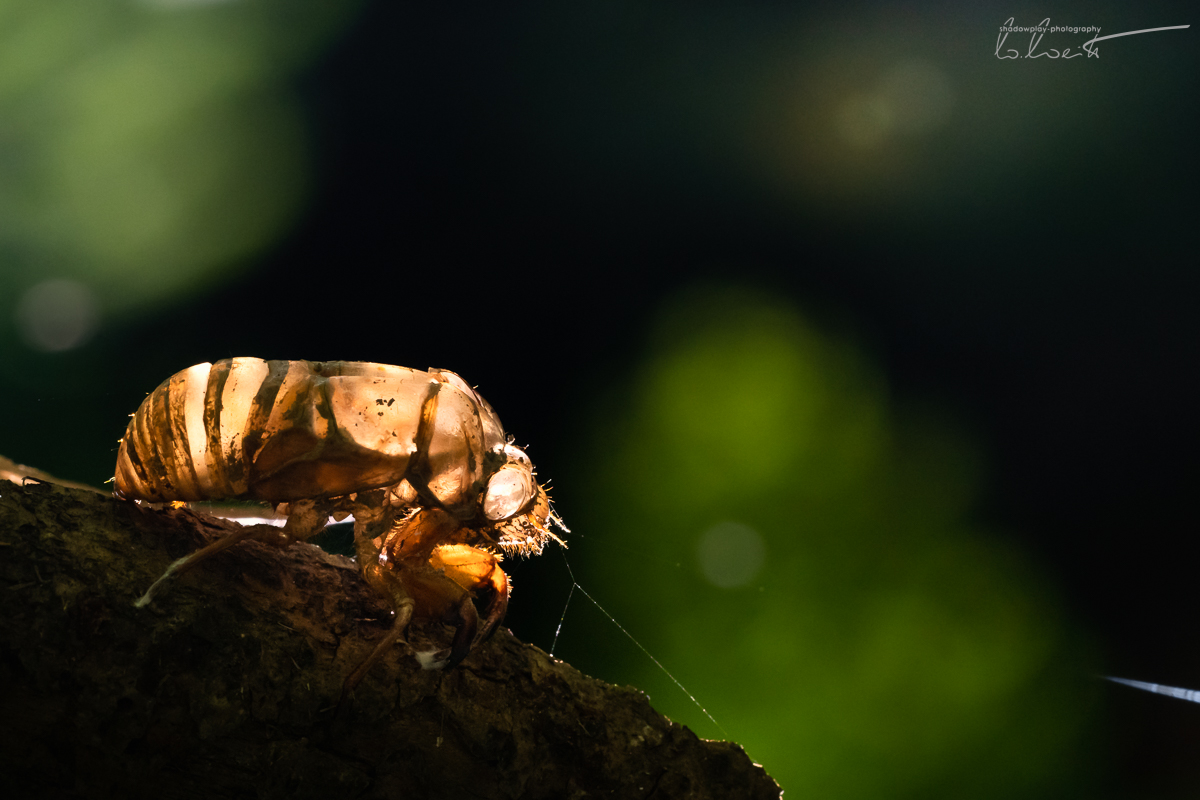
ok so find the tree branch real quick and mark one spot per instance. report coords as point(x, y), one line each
point(226, 685)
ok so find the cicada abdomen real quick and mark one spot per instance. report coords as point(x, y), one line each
point(289, 430)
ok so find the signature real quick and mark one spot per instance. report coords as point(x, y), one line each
point(1089, 47)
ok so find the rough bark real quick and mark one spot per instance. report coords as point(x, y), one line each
point(226, 685)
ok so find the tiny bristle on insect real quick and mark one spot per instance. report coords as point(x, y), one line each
point(557, 521)
point(523, 548)
point(528, 540)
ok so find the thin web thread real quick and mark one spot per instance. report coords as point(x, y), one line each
point(558, 630)
point(575, 585)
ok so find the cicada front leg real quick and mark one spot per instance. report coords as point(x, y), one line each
point(478, 572)
point(429, 582)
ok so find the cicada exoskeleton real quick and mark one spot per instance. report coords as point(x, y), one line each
point(419, 459)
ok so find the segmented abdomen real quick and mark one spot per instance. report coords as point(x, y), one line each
point(290, 430)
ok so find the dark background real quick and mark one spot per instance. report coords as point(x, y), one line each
point(512, 194)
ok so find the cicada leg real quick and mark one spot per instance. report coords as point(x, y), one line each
point(476, 571)
point(366, 530)
point(433, 596)
point(403, 615)
point(442, 579)
point(305, 519)
point(422, 579)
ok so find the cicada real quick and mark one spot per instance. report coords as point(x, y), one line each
point(437, 490)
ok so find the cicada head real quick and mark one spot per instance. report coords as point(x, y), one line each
point(516, 508)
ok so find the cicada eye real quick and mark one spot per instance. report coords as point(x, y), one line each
point(508, 492)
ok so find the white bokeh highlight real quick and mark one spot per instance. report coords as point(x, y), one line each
point(912, 98)
point(731, 554)
point(57, 315)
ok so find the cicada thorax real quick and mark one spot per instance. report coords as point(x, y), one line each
point(289, 430)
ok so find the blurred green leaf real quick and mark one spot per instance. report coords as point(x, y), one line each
point(886, 648)
point(147, 148)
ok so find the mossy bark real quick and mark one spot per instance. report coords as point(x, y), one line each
point(226, 686)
